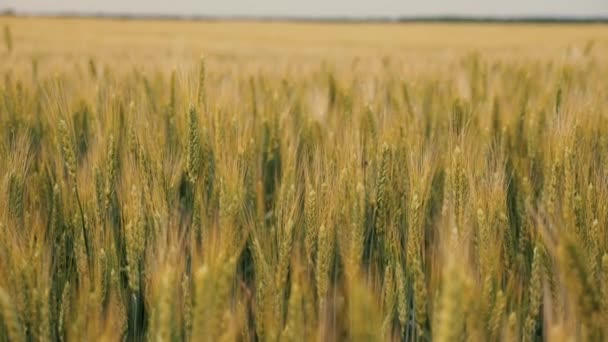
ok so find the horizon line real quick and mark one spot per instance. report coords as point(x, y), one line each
point(455, 18)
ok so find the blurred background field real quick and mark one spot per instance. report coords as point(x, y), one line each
point(281, 46)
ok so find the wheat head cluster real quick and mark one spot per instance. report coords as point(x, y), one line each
point(214, 203)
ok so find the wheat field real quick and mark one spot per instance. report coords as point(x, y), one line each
point(276, 181)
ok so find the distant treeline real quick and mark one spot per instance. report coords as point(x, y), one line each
point(333, 19)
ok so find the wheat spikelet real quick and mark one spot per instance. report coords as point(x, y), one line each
point(579, 282)
point(535, 294)
point(187, 306)
point(524, 205)
point(111, 166)
point(64, 311)
point(459, 184)
point(99, 196)
point(263, 287)
point(67, 146)
point(420, 295)
point(285, 250)
point(135, 240)
point(324, 260)
point(11, 320)
point(193, 156)
point(569, 191)
point(381, 195)
point(389, 299)
point(484, 244)
point(357, 234)
point(15, 195)
point(550, 189)
point(118, 314)
point(310, 212)
point(44, 329)
point(80, 250)
point(593, 249)
point(414, 234)
point(400, 283)
point(497, 314)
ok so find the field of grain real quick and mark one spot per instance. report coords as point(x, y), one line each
point(249, 181)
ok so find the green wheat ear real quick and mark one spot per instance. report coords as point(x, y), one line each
point(15, 195)
point(67, 145)
point(534, 293)
point(193, 157)
point(111, 169)
point(382, 192)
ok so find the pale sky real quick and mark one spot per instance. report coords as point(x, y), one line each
point(316, 8)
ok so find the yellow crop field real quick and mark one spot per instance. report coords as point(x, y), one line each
point(296, 181)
